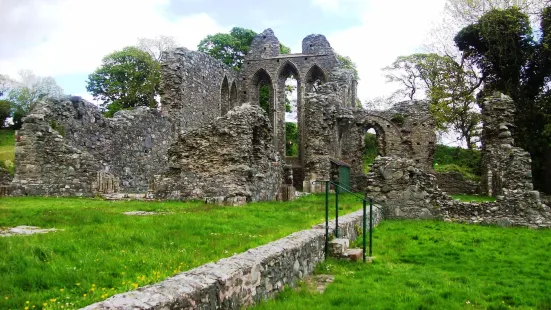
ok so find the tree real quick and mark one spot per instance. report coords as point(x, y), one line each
point(126, 79)
point(231, 48)
point(5, 112)
point(501, 43)
point(449, 86)
point(156, 46)
point(28, 91)
point(349, 64)
point(291, 139)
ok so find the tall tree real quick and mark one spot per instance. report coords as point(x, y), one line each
point(501, 43)
point(5, 112)
point(127, 78)
point(156, 46)
point(450, 87)
point(25, 93)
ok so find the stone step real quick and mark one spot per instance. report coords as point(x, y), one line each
point(353, 254)
point(338, 246)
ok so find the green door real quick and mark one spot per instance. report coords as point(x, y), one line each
point(344, 176)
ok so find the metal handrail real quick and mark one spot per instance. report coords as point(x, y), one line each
point(364, 200)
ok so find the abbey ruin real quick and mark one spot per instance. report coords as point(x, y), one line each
point(211, 140)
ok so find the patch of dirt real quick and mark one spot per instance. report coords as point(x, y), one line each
point(144, 213)
point(318, 283)
point(25, 231)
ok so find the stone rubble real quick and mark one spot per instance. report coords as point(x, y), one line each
point(25, 231)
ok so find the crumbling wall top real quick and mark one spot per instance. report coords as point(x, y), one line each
point(264, 45)
point(316, 44)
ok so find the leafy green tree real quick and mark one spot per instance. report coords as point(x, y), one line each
point(127, 78)
point(5, 112)
point(231, 48)
point(448, 85)
point(514, 61)
point(24, 94)
point(291, 139)
point(349, 64)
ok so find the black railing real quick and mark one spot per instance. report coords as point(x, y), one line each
point(338, 187)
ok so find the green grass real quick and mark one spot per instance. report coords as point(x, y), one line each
point(7, 149)
point(473, 198)
point(437, 265)
point(101, 252)
point(466, 172)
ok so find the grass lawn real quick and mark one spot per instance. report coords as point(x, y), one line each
point(473, 198)
point(437, 265)
point(7, 148)
point(101, 252)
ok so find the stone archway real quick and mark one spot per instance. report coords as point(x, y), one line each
point(224, 97)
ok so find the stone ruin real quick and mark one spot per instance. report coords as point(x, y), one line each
point(208, 141)
point(211, 141)
point(408, 191)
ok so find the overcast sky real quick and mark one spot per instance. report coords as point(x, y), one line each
point(67, 39)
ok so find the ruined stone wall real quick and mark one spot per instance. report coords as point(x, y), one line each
point(505, 168)
point(406, 130)
point(196, 88)
point(231, 160)
point(265, 65)
point(329, 121)
point(454, 183)
point(243, 279)
point(66, 147)
point(406, 191)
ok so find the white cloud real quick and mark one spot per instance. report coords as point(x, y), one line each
point(389, 29)
point(81, 33)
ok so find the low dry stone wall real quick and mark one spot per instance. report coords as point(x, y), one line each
point(454, 183)
point(243, 279)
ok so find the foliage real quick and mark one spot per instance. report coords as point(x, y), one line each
point(5, 112)
point(24, 94)
point(473, 198)
point(101, 252)
point(467, 160)
point(465, 172)
point(436, 265)
point(231, 48)
point(291, 139)
point(156, 46)
point(349, 64)
point(371, 151)
point(515, 62)
point(398, 119)
point(126, 79)
point(449, 86)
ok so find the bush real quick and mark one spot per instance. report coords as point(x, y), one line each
point(467, 173)
point(464, 159)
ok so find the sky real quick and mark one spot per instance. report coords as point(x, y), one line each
point(67, 39)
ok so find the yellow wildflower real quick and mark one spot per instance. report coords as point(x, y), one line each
point(52, 300)
point(83, 295)
point(61, 289)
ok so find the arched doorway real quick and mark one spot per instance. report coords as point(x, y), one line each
point(224, 97)
point(373, 145)
point(262, 92)
point(233, 95)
